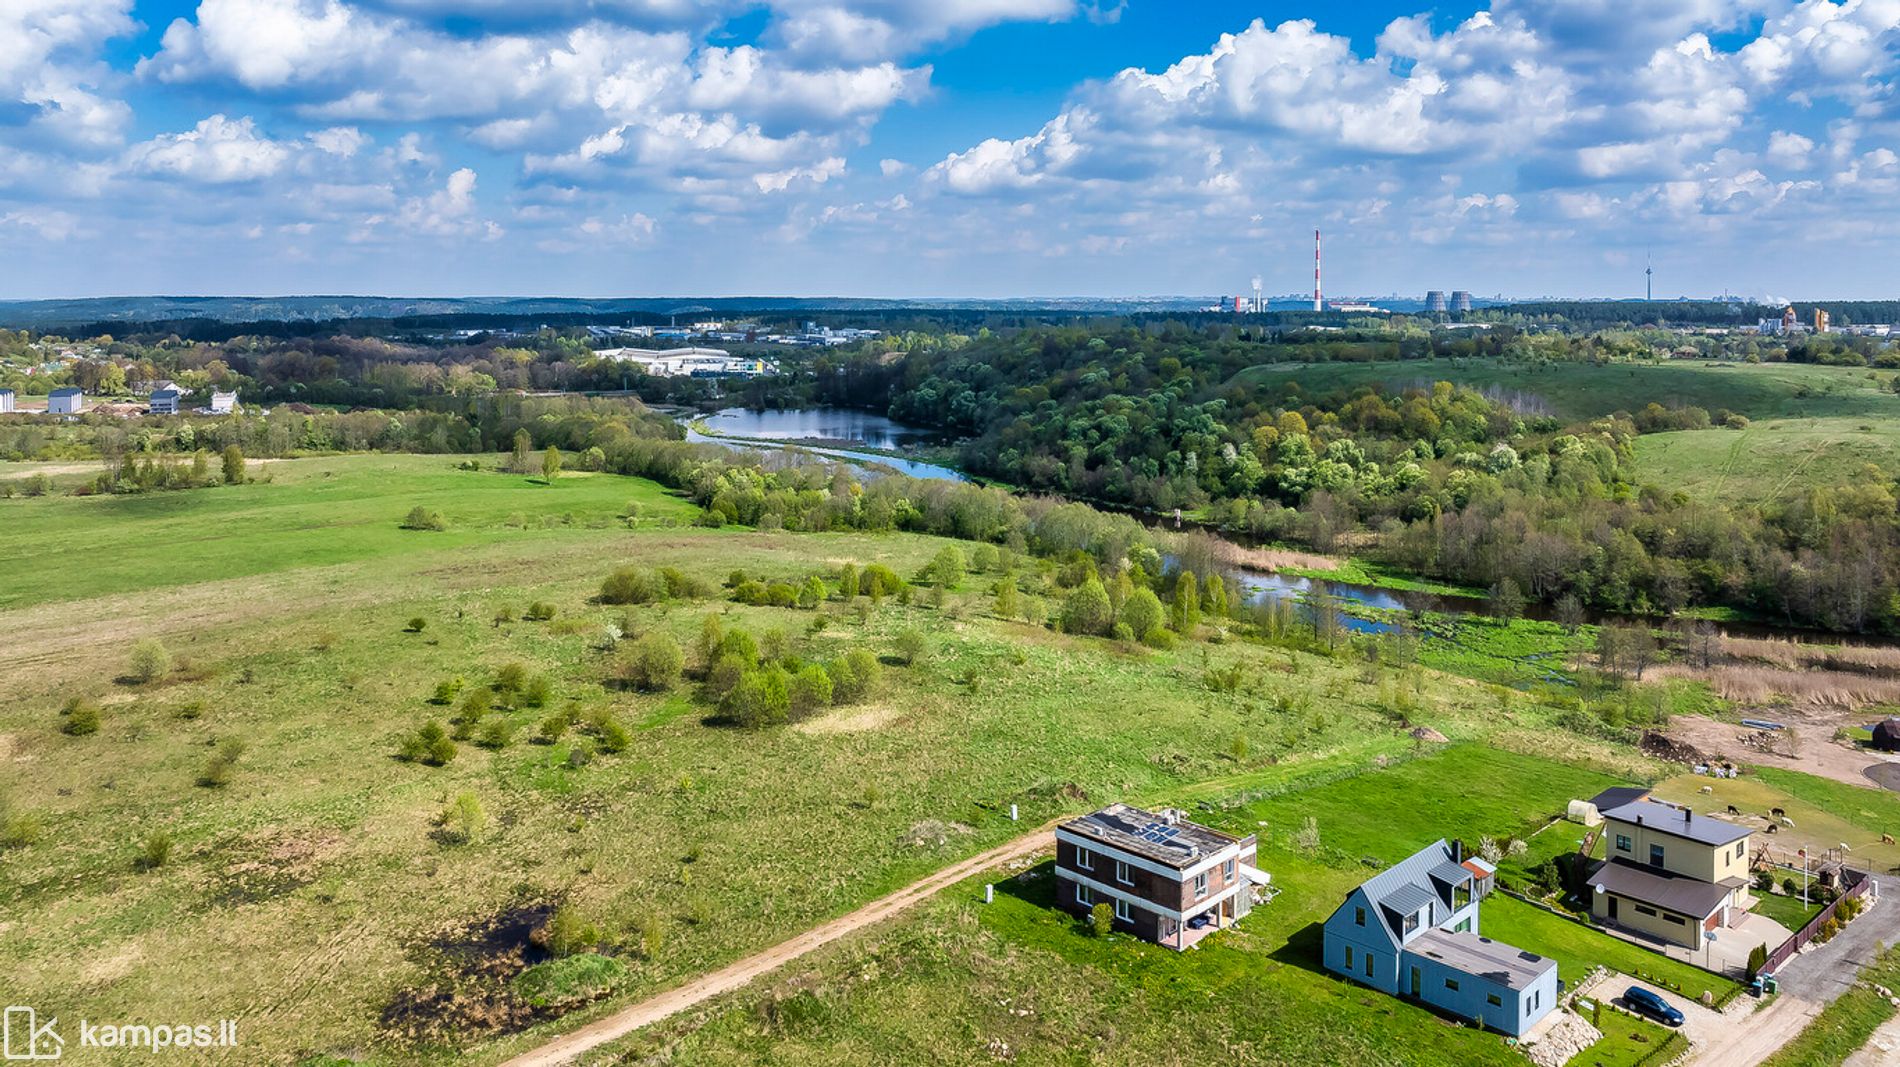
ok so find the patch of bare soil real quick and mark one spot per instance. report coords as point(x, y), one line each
point(853, 722)
point(273, 863)
point(1807, 745)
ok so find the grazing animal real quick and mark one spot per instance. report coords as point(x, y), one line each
point(1707, 789)
point(1789, 823)
point(1733, 810)
point(1886, 839)
point(1772, 828)
point(1776, 812)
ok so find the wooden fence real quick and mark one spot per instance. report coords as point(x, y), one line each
point(1855, 884)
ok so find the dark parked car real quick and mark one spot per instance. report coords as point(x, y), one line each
point(1643, 1002)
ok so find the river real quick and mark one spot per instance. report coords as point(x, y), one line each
point(831, 431)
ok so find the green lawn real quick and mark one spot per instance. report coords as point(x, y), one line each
point(1770, 460)
point(1627, 1041)
point(1577, 948)
point(1844, 1026)
point(1784, 909)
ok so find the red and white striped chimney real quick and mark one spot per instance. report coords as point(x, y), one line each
point(1318, 303)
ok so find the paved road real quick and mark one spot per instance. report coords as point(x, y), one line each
point(726, 979)
point(1809, 982)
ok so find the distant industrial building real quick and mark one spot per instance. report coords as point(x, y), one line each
point(1435, 302)
point(1460, 300)
point(66, 402)
point(1820, 320)
point(690, 362)
point(165, 401)
point(223, 403)
point(6, 401)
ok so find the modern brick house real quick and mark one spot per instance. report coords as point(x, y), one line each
point(1669, 874)
point(1412, 932)
point(1169, 881)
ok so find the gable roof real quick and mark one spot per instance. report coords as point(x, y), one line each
point(1665, 889)
point(1616, 796)
point(1423, 879)
point(1680, 822)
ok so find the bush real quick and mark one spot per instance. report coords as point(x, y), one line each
point(509, 681)
point(463, 820)
point(569, 980)
point(553, 728)
point(1142, 613)
point(217, 773)
point(537, 692)
point(568, 932)
point(614, 736)
point(150, 661)
point(812, 593)
point(854, 676)
point(1086, 611)
point(1757, 958)
point(429, 744)
point(655, 663)
point(947, 569)
point(632, 585)
point(154, 851)
point(539, 611)
point(497, 734)
point(1102, 920)
point(446, 692)
point(416, 625)
point(809, 690)
point(760, 699)
point(421, 518)
point(82, 717)
point(911, 647)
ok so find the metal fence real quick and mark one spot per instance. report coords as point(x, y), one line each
point(1855, 884)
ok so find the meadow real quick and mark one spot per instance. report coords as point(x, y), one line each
point(340, 900)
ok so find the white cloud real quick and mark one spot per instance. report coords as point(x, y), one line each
point(217, 151)
point(344, 141)
point(1790, 150)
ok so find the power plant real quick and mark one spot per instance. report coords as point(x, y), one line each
point(1460, 300)
point(1435, 302)
point(1319, 303)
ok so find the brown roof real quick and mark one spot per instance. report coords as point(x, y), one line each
point(1653, 885)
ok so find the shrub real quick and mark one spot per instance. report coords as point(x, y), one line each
point(429, 744)
point(632, 585)
point(1086, 611)
point(1764, 881)
point(539, 611)
point(150, 661)
point(809, 690)
point(569, 980)
point(553, 728)
point(878, 581)
point(760, 699)
point(614, 736)
point(509, 680)
point(537, 692)
point(417, 625)
point(82, 717)
point(497, 734)
point(446, 692)
point(947, 569)
point(1142, 613)
point(154, 851)
point(854, 676)
point(217, 773)
point(655, 663)
point(812, 593)
point(463, 820)
point(911, 647)
point(568, 932)
point(421, 518)
point(1757, 959)
point(1102, 919)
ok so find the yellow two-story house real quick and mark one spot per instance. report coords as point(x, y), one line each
point(1669, 873)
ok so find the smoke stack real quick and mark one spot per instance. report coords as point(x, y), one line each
point(1318, 303)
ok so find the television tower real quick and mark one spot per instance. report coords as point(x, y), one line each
point(1318, 303)
point(1649, 280)
point(1258, 304)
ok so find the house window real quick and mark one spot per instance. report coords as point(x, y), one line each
point(1083, 895)
point(1622, 842)
point(1677, 919)
point(1532, 1003)
point(1641, 910)
point(1368, 965)
point(1200, 885)
point(1358, 916)
point(1084, 859)
point(1655, 855)
point(1460, 895)
point(1494, 1000)
point(1123, 874)
point(1451, 984)
point(1411, 922)
point(1227, 872)
point(1463, 927)
point(1741, 849)
point(1349, 957)
point(1124, 912)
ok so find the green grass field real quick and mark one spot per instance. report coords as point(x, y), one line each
point(1770, 460)
point(963, 982)
point(314, 896)
point(1574, 391)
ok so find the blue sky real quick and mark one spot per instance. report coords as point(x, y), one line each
point(938, 148)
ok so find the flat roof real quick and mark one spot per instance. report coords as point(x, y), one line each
point(1481, 957)
point(1652, 885)
point(1616, 796)
point(1654, 815)
point(1174, 842)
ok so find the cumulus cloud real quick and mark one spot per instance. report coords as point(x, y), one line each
point(216, 151)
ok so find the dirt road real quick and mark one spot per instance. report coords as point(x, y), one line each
point(735, 975)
